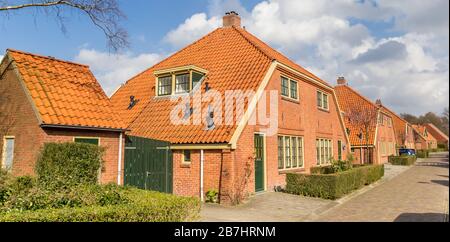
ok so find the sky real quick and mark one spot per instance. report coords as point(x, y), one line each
point(396, 51)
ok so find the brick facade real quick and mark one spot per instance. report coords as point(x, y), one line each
point(225, 170)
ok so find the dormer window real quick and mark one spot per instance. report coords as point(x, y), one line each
point(179, 80)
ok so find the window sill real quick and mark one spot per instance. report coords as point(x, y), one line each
point(323, 109)
point(290, 99)
point(291, 170)
point(185, 165)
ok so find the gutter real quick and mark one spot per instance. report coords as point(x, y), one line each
point(201, 174)
point(81, 127)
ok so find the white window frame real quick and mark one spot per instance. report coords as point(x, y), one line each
point(183, 158)
point(4, 151)
point(323, 95)
point(300, 159)
point(289, 81)
point(173, 87)
point(325, 148)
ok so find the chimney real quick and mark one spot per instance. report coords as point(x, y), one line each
point(341, 81)
point(378, 102)
point(231, 19)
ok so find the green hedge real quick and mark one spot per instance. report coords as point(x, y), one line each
point(422, 153)
point(333, 186)
point(142, 206)
point(405, 160)
point(66, 164)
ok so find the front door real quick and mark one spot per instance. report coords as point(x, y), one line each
point(259, 162)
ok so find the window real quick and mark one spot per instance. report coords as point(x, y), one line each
point(8, 153)
point(289, 88)
point(280, 152)
point(293, 93)
point(92, 141)
point(186, 156)
point(324, 149)
point(290, 152)
point(287, 148)
point(164, 85)
point(178, 81)
point(182, 83)
point(284, 86)
point(322, 100)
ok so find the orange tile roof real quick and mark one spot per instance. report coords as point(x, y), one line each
point(423, 132)
point(65, 93)
point(350, 100)
point(399, 125)
point(437, 133)
point(235, 60)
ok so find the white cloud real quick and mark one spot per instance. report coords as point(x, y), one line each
point(409, 71)
point(111, 70)
point(1, 57)
point(192, 29)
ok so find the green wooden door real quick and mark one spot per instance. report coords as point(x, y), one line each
point(148, 164)
point(259, 162)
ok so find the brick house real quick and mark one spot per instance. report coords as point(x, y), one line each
point(404, 133)
point(379, 142)
point(48, 100)
point(212, 155)
point(441, 138)
point(424, 140)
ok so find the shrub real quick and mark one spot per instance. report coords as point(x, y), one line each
point(422, 153)
point(143, 206)
point(404, 160)
point(212, 196)
point(67, 164)
point(333, 186)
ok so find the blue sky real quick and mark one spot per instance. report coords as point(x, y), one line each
point(393, 50)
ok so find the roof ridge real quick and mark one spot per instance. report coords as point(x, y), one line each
point(168, 57)
point(298, 66)
point(252, 43)
point(395, 114)
point(46, 57)
point(358, 94)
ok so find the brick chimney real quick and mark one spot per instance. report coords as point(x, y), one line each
point(378, 102)
point(341, 81)
point(231, 19)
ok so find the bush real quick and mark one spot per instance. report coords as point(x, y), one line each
point(142, 206)
point(68, 164)
point(404, 160)
point(333, 186)
point(422, 153)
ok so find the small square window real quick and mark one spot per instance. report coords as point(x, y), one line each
point(182, 83)
point(186, 156)
point(165, 85)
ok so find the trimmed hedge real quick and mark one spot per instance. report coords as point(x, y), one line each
point(67, 164)
point(405, 160)
point(143, 206)
point(333, 186)
point(422, 153)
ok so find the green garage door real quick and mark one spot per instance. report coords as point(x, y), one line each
point(148, 164)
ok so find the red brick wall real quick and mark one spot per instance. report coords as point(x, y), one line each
point(385, 133)
point(29, 137)
point(301, 118)
point(186, 180)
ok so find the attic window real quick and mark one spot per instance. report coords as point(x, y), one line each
point(178, 80)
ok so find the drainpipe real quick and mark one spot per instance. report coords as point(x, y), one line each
point(201, 174)
point(119, 161)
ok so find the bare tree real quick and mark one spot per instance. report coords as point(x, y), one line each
point(363, 120)
point(105, 14)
